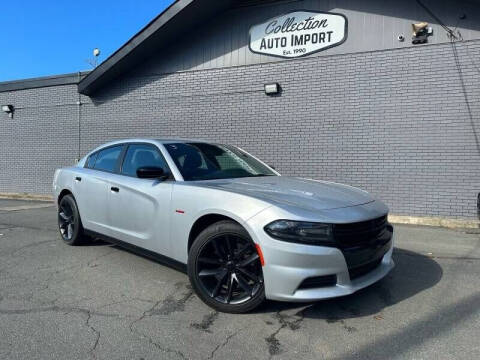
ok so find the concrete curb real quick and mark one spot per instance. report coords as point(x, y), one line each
point(435, 221)
point(26, 196)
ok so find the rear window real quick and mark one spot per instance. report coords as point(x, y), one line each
point(107, 159)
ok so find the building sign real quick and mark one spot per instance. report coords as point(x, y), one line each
point(298, 33)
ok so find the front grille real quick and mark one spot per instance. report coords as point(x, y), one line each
point(364, 269)
point(359, 233)
point(363, 244)
point(318, 282)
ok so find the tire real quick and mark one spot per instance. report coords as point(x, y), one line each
point(224, 268)
point(69, 222)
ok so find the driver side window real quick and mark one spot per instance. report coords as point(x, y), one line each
point(142, 155)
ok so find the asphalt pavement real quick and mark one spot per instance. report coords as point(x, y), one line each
point(102, 302)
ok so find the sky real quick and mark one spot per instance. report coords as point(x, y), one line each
point(50, 37)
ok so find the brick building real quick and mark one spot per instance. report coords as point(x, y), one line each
point(364, 106)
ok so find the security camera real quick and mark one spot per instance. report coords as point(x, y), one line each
point(401, 38)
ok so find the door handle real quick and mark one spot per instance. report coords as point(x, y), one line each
point(115, 189)
point(78, 178)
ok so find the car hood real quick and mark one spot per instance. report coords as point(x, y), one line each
point(289, 191)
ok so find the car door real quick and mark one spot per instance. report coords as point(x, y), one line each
point(139, 209)
point(91, 188)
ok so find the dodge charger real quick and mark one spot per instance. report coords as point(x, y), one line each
point(241, 231)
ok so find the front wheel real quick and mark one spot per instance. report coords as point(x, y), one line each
point(225, 270)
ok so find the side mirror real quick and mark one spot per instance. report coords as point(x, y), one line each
point(150, 172)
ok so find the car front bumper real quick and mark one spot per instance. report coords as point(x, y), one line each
point(287, 265)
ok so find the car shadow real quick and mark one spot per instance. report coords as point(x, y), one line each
point(95, 242)
point(413, 273)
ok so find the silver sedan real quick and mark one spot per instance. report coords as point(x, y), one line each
point(241, 231)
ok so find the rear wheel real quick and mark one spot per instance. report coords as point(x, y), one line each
point(225, 270)
point(69, 222)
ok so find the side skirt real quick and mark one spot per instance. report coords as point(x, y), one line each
point(162, 259)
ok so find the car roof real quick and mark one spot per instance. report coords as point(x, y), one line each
point(180, 140)
point(148, 140)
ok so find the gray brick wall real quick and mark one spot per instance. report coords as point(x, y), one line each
point(42, 135)
point(394, 122)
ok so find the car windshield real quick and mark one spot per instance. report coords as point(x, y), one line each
point(201, 161)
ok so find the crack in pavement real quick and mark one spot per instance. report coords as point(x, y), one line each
point(14, 252)
point(171, 305)
point(143, 316)
point(206, 322)
point(57, 309)
point(13, 226)
point(274, 345)
point(146, 313)
point(334, 320)
point(222, 345)
point(96, 332)
point(66, 311)
point(89, 264)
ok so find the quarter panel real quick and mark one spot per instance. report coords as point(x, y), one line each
point(91, 197)
point(90, 193)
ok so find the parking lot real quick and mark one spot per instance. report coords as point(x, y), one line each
point(102, 302)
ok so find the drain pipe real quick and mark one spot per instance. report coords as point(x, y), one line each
point(79, 117)
point(478, 205)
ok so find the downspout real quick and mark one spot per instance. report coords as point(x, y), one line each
point(79, 118)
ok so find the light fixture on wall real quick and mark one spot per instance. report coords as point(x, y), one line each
point(8, 109)
point(272, 89)
point(421, 32)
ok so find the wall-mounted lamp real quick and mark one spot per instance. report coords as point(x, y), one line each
point(421, 32)
point(8, 109)
point(272, 89)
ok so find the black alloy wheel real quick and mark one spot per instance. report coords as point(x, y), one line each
point(225, 268)
point(66, 221)
point(69, 222)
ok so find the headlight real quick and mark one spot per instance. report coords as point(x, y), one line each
point(301, 232)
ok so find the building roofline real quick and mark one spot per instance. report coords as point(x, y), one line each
point(178, 17)
point(87, 85)
point(43, 81)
